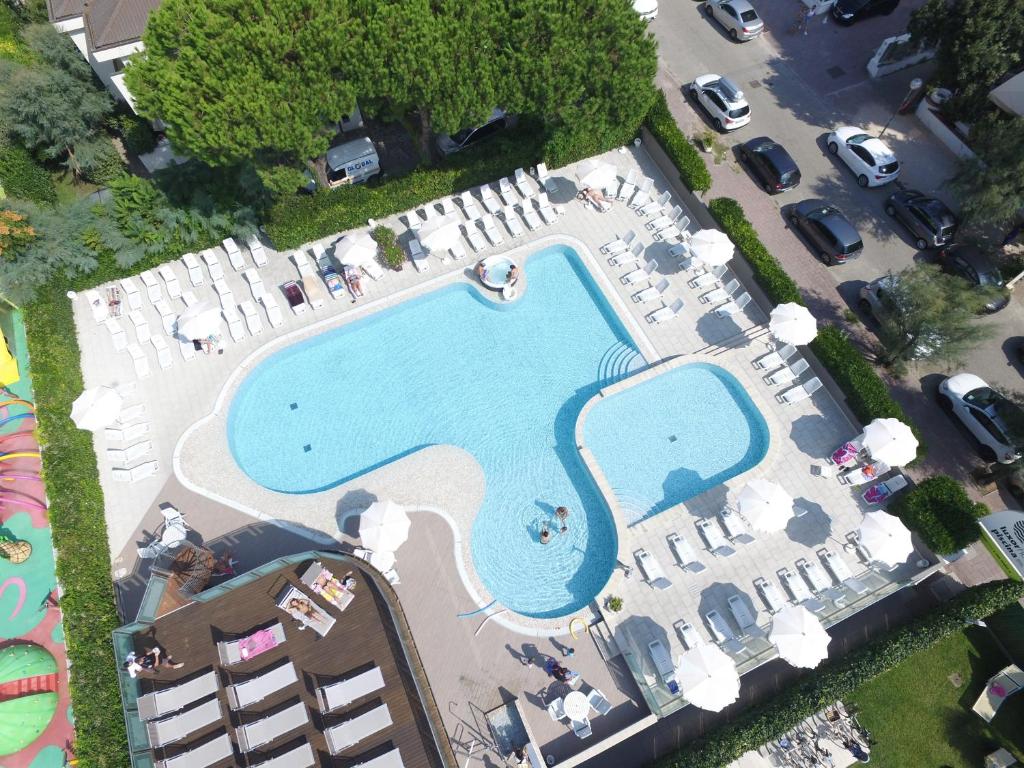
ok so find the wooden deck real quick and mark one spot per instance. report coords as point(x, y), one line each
point(363, 636)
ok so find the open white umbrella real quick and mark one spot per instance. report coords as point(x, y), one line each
point(711, 247)
point(355, 249)
point(793, 324)
point(199, 321)
point(383, 526)
point(96, 408)
point(766, 505)
point(885, 538)
point(799, 636)
point(595, 173)
point(440, 233)
point(708, 678)
point(890, 441)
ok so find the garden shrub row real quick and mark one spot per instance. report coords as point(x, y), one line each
point(840, 678)
point(691, 166)
point(942, 513)
point(22, 176)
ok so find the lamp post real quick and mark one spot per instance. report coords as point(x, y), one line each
point(915, 86)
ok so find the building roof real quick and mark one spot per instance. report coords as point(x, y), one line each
point(1009, 95)
point(111, 23)
point(370, 631)
point(60, 10)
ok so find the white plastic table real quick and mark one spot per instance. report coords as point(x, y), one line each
point(576, 705)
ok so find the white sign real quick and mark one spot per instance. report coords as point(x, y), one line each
point(1006, 529)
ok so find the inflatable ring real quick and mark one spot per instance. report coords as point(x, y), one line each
point(572, 624)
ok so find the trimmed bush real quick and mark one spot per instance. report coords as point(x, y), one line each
point(387, 244)
point(136, 132)
point(23, 177)
point(688, 161)
point(770, 275)
point(838, 679)
point(942, 513)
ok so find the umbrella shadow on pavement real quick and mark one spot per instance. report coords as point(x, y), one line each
point(812, 528)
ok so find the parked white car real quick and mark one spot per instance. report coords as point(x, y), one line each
point(722, 99)
point(987, 415)
point(648, 9)
point(871, 161)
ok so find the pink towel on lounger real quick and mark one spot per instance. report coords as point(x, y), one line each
point(256, 643)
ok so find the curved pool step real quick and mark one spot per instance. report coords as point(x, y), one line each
point(618, 362)
point(633, 507)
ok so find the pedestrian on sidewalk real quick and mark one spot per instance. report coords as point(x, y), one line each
point(806, 16)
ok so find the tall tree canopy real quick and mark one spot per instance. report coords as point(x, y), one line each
point(991, 188)
point(238, 79)
point(978, 41)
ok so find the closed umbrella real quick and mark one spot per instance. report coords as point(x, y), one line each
point(708, 678)
point(890, 441)
point(355, 249)
point(766, 505)
point(885, 538)
point(711, 247)
point(383, 526)
point(799, 636)
point(596, 173)
point(440, 233)
point(199, 321)
point(96, 408)
point(793, 324)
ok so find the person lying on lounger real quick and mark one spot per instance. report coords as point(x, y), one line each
point(305, 608)
point(597, 198)
point(351, 277)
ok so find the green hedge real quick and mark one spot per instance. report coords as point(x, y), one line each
point(23, 177)
point(942, 513)
point(688, 161)
point(838, 679)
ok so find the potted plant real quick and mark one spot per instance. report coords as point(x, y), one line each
point(388, 251)
point(705, 140)
point(613, 603)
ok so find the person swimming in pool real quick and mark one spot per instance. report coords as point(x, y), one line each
point(513, 275)
point(481, 271)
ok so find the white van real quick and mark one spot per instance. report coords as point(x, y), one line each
point(351, 163)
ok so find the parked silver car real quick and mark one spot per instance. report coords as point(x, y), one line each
point(738, 17)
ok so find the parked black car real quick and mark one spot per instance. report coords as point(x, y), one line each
point(973, 265)
point(931, 223)
point(846, 12)
point(830, 235)
point(770, 164)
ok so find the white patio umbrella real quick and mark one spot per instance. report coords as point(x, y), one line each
point(383, 526)
point(766, 505)
point(355, 249)
point(711, 247)
point(96, 408)
point(799, 636)
point(708, 678)
point(890, 441)
point(199, 321)
point(595, 173)
point(440, 233)
point(885, 538)
point(793, 324)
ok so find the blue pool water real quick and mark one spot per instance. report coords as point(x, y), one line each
point(504, 382)
point(673, 437)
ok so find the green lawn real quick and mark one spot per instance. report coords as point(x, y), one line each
point(919, 718)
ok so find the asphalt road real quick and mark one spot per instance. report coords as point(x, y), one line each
point(800, 87)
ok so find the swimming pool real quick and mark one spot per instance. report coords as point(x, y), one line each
point(504, 382)
point(672, 437)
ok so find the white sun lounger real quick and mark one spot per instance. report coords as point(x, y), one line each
point(721, 294)
point(235, 326)
point(139, 360)
point(167, 317)
point(665, 220)
point(131, 293)
point(417, 256)
point(712, 534)
point(800, 391)
point(220, 286)
point(212, 264)
point(252, 318)
point(795, 586)
point(125, 456)
point(344, 692)
point(273, 309)
point(447, 206)
point(235, 256)
point(489, 200)
point(163, 352)
point(187, 349)
point(170, 281)
point(720, 631)
point(141, 325)
point(392, 759)
point(688, 634)
point(814, 575)
point(734, 527)
point(152, 286)
point(544, 178)
point(788, 373)
point(259, 254)
point(252, 277)
point(741, 614)
point(195, 272)
point(167, 700)
point(351, 732)
point(523, 183)
point(126, 434)
point(322, 622)
point(413, 221)
point(131, 413)
point(665, 313)
point(230, 651)
point(684, 554)
point(776, 358)
point(256, 734)
point(136, 473)
point(117, 334)
point(770, 594)
point(189, 299)
point(97, 305)
point(512, 221)
point(372, 269)
point(508, 195)
point(630, 257)
point(733, 306)
point(245, 694)
point(530, 216)
point(547, 211)
point(652, 293)
point(490, 230)
point(663, 664)
point(712, 277)
point(641, 273)
point(299, 757)
point(457, 251)
point(475, 237)
point(841, 571)
point(203, 756)
point(642, 196)
point(651, 569)
point(628, 186)
point(656, 207)
point(177, 727)
point(469, 206)
point(619, 244)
